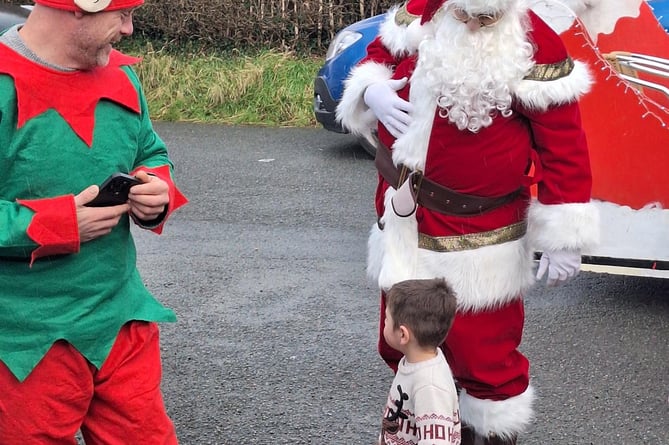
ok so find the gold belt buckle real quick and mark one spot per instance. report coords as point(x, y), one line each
point(403, 176)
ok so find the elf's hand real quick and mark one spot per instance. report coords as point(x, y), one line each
point(94, 222)
point(149, 199)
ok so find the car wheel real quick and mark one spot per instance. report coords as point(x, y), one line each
point(369, 147)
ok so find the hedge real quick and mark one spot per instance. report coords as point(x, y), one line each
point(256, 24)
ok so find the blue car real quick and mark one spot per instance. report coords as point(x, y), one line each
point(346, 49)
point(349, 46)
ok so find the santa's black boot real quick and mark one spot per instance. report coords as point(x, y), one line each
point(469, 437)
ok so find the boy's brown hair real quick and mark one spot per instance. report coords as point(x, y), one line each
point(426, 307)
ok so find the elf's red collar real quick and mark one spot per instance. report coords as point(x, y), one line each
point(74, 95)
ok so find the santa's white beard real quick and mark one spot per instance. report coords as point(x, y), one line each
point(471, 75)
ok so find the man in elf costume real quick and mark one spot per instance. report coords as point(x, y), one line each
point(472, 106)
point(79, 345)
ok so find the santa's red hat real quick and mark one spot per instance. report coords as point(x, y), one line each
point(431, 8)
point(90, 5)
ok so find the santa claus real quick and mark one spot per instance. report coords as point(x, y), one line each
point(474, 101)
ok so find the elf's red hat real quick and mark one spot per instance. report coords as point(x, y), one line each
point(431, 8)
point(90, 5)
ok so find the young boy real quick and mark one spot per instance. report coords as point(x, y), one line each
point(422, 406)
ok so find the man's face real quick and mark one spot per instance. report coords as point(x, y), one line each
point(475, 21)
point(96, 35)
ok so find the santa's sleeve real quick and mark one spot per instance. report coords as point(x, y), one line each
point(399, 36)
point(562, 215)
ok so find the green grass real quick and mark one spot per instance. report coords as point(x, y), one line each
point(266, 88)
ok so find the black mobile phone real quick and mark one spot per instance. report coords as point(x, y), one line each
point(114, 190)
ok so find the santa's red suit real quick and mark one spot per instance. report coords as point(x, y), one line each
point(488, 102)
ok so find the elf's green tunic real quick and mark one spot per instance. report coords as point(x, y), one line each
point(68, 131)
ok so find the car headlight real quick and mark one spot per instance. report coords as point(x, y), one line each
point(342, 40)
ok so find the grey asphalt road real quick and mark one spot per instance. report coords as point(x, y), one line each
point(277, 330)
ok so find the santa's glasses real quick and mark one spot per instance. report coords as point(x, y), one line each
point(484, 20)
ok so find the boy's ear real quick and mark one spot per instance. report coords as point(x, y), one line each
point(405, 335)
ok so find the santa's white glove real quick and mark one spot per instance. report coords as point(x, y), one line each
point(560, 264)
point(391, 110)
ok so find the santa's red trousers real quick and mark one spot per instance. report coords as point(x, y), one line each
point(119, 404)
point(482, 351)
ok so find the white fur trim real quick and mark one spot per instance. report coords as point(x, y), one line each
point(401, 40)
point(352, 112)
point(375, 254)
point(630, 233)
point(482, 278)
point(410, 149)
point(504, 418)
point(563, 226)
point(540, 95)
point(398, 244)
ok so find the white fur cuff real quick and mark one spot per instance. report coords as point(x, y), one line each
point(504, 418)
point(563, 226)
point(352, 111)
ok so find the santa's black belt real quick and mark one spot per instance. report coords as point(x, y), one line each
point(432, 195)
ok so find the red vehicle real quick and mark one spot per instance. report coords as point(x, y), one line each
point(626, 117)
